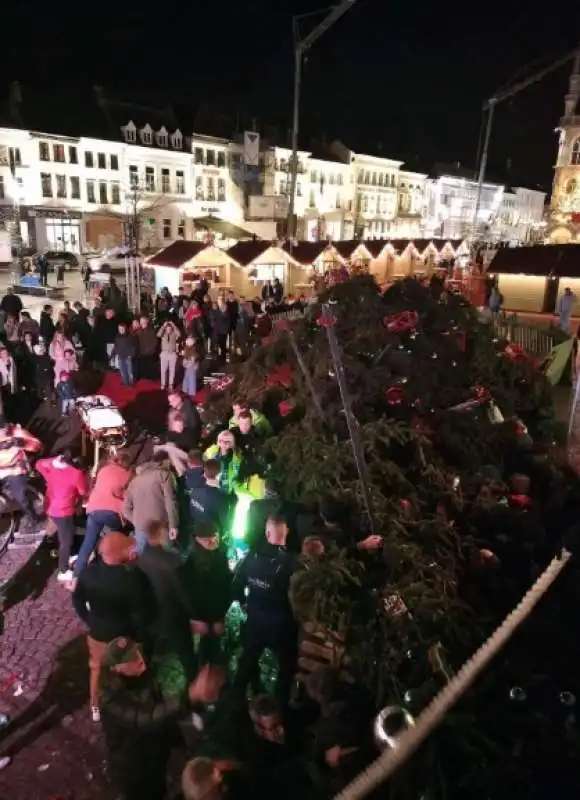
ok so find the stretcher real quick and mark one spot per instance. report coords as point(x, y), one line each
point(103, 425)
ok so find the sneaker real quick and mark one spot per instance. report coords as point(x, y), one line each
point(72, 561)
point(4, 762)
point(95, 713)
point(64, 577)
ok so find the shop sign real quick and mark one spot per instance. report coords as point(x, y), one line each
point(54, 213)
point(210, 210)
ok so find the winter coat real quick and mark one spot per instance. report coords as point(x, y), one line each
point(146, 341)
point(151, 497)
point(125, 346)
point(209, 583)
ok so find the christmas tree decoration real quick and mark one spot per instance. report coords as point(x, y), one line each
point(413, 443)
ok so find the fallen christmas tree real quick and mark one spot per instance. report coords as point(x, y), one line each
point(472, 505)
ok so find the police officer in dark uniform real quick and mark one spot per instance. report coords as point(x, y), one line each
point(261, 586)
point(209, 503)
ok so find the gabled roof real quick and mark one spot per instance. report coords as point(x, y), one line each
point(176, 254)
point(376, 246)
point(347, 247)
point(246, 252)
point(306, 252)
point(423, 244)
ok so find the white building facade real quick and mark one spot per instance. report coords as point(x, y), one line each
point(73, 194)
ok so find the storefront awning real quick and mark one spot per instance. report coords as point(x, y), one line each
point(221, 226)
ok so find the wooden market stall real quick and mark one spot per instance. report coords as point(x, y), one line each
point(311, 259)
point(532, 278)
point(356, 254)
point(184, 263)
point(260, 262)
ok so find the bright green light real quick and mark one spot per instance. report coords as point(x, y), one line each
point(241, 516)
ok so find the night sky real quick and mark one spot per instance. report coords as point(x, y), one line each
point(406, 80)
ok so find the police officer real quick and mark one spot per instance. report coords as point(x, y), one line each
point(261, 586)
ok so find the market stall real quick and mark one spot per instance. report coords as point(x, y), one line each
point(184, 263)
point(259, 262)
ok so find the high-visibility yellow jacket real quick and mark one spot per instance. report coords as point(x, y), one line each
point(259, 421)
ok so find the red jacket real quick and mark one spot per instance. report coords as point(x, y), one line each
point(65, 487)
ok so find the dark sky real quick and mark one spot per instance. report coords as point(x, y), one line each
point(408, 78)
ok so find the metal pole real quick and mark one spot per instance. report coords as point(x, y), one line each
point(298, 56)
point(483, 163)
point(351, 421)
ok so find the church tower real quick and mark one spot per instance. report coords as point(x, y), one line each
point(565, 207)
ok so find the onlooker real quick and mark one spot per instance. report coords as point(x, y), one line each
point(169, 336)
point(151, 497)
point(66, 486)
point(124, 350)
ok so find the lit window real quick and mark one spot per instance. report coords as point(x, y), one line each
point(58, 153)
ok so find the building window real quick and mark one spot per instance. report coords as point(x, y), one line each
point(2, 193)
point(311, 200)
point(176, 140)
point(58, 153)
point(313, 176)
point(199, 188)
point(337, 203)
point(101, 161)
point(283, 165)
point(179, 182)
point(133, 176)
point(147, 135)
point(103, 193)
point(181, 228)
point(331, 179)
point(365, 204)
point(165, 181)
point(298, 190)
point(162, 139)
point(221, 158)
point(46, 183)
point(43, 151)
point(130, 133)
point(115, 194)
point(61, 186)
point(114, 162)
point(167, 229)
point(221, 189)
point(15, 157)
point(150, 179)
point(283, 188)
point(91, 198)
point(75, 188)
point(89, 159)
point(210, 158)
point(198, 155)
point(211, 189)
point(73, 156)
point(575, 159)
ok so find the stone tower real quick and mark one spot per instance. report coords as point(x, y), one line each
point(565, 207)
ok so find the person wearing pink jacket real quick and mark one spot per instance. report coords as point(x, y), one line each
point(66, 486)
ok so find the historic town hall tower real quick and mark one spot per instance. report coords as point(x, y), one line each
point(564, 224)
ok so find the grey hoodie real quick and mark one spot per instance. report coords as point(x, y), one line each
point(150, 497)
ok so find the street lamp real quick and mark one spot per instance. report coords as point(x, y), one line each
point(300, 48)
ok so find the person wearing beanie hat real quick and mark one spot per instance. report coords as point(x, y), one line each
point(113, 599)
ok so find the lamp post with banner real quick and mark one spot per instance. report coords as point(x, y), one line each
point(131, 238)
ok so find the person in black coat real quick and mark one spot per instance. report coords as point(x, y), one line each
point(47, 326)
point(210, 590)
point(188, 413)
point(210, 503)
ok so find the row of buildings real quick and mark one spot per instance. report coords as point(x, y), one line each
point(76, 192)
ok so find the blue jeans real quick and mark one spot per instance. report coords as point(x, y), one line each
point(66, 406)
point(96, 522)
point(190, 380)
point(126, 370)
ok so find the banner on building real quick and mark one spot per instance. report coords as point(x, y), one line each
point(251, 149)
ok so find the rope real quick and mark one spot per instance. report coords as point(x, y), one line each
point(409, 741)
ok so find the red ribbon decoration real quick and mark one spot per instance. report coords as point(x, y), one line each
point(481, 393)
point(285, 408)
point(280, 376)
point(394, 395)
point(515, 353)
point(522, 500)
point(402, 322)
point(326, 321)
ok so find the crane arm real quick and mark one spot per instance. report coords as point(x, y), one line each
point(337, 12)
point(537, 76)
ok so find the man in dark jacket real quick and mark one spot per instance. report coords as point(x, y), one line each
point(261, 585)
point(124, 349)
point(11, 304)
point(210, 589)
point(209, 503)
point(147, 342)
point(165, 570)
point(188, 412)
point(113, 599)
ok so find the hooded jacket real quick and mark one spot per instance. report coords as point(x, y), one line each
point(151, 497)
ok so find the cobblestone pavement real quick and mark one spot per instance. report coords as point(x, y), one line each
point(57, 752)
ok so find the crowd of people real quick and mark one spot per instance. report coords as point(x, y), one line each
point(181, 549)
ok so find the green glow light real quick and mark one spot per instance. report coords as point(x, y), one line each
point(241, 516)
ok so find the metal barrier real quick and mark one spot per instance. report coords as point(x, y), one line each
point(534, 339)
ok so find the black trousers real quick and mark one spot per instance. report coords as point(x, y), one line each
point(148, 367)
point(17, 487)
point(65, 530)
point(176, 637)
point(282, 639)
